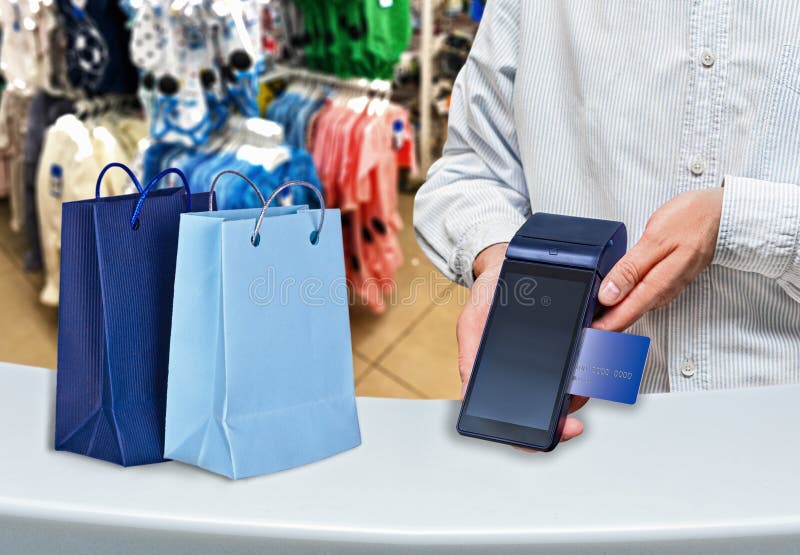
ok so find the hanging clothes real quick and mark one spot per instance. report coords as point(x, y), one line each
point(351, 38)
point(19, 22)
point(74, 152)
point(45, 109)
point(265, 160)
point(293, 110)
point(358, 143)
point(97, 47)
point(199, 64)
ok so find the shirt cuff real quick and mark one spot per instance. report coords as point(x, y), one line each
point(759, 226)
point(476, 239)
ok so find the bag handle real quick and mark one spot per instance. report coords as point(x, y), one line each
point(232, 172)
point(124, 168)
point(255, 239)
point(156, 179)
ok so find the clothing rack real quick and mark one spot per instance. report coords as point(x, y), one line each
point(377, 86)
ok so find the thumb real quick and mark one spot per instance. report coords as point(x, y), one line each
point(628, 271)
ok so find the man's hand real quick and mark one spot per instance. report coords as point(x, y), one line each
point(677, 244)
point(469, 328)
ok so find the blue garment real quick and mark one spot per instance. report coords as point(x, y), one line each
point(293, 112)
point(238, 194)
point(201, 167)
point(157, 157)
point(297, 136)
point(119, 74)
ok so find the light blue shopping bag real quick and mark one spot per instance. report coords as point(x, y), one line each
point(260, 366)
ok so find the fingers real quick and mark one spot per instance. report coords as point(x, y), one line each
point(577, 402)
point(469, 327)
point(572, 428)
point(467, 348)
point(657, 288)
point(469, 330)
point(630, 270)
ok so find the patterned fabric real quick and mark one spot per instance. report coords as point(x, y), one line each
point(608, 110)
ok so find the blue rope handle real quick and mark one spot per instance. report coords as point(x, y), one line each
point(137, 211)
point(124, 168)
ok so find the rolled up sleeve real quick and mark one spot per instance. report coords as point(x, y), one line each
point(760, 230)
point(475, 194)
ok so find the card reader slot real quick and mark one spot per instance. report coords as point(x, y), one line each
point(562, 253)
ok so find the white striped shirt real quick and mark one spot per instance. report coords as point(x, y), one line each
point(609, 109)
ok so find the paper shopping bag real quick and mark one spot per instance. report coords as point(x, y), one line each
point(260, 369)
point(117, 276)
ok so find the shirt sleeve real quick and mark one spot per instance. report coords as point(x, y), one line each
point(760, 230)
point(476, 195)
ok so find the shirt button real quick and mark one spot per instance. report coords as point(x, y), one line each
point(707, 58)
point(687, 369)
point(697, 166)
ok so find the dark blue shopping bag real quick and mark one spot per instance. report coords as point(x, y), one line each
point(117, 277)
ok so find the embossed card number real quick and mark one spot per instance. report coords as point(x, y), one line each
point(610, 366)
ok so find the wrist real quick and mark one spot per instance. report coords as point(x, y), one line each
point(490, 257)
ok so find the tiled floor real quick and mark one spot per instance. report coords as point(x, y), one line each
point(409, 351)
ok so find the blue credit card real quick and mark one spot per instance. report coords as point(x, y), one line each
point(610, 366)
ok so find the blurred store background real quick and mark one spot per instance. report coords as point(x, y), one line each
point(352, 95)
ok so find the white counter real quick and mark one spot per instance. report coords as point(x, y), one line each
point(683, 473)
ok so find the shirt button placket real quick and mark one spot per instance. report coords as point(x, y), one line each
point(700, 153)
point(707, 57)
point(688, 369)
point(697, 166)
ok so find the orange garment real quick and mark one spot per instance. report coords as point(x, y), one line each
point(357, 160)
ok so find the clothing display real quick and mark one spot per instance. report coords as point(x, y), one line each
point(203, 72)
point(191, 85)
point(51, 54)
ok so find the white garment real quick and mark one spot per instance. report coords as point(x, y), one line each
point(21, 55)
point(78, 151)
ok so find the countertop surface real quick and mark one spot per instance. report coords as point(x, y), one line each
point(672, 467)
